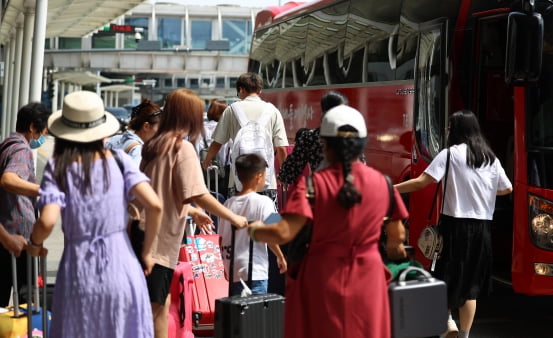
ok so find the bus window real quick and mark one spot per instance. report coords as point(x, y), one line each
point(370, 26)
point(429, 117)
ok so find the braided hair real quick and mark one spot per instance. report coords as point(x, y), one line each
point(346, 150)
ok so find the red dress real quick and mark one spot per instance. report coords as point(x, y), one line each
point(342, 286)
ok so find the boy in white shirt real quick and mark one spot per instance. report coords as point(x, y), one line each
point(251, 170)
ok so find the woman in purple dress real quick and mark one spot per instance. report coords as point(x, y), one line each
point(100, 286)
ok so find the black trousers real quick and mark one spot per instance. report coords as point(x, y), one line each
point(6, 282)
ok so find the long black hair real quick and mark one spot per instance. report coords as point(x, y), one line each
point(464, 128)
point(66, 152)
point(346, 150)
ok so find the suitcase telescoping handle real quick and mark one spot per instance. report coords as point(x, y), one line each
point(401, 279)
point(231, 265)
point(32, 292)
point(215, 170)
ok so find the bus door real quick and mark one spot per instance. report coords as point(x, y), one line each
point(493, 103)
point(430, 112)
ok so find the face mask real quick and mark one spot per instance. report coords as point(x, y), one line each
point(38, 142)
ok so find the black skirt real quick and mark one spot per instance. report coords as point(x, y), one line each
point(466, 261)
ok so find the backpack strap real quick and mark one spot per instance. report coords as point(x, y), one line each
point(239, 114)
point(131, 146)
point(243, 120)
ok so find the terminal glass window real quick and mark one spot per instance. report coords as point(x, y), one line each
point(130, 39)
point(169, 32)
point(69, 43)
point(200, 33)
point(194, 84)
point(238, 33)
point(181, 83)
point(220, 82)
point(103, 41)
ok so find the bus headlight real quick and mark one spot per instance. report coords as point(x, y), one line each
point(543, 269)
point(541, 222)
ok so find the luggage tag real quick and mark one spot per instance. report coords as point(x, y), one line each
point(275, 217)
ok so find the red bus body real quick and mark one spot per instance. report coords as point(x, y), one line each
point(406, 66)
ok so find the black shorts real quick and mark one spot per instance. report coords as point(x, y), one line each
point(159, 283)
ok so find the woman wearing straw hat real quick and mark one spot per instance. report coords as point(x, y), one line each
point(341, 288)
point(100, 286)
point(172, 163)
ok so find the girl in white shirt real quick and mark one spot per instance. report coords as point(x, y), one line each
point(474, 180)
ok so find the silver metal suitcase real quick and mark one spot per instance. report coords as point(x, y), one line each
point(418, 307)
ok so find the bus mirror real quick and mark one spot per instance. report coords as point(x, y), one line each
point(524, 47)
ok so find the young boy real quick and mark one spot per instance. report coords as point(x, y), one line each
point(251, 171)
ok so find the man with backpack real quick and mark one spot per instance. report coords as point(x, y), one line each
point(19, 191)
point(255, 126)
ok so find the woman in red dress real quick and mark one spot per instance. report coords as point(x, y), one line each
point(341, 288)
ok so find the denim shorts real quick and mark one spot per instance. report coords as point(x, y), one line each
point(258, 286)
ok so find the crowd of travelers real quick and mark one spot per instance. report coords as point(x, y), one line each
point(340, 288)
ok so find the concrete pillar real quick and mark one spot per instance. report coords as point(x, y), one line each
point(37, 64)
point(11, 71)
point(17, 70)
point(62, 94)
point(28, 26)
point(5, 91)
point(55, 98)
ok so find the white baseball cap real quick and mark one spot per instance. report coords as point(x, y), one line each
point(341, 116)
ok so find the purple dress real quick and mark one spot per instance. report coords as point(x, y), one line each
point(100, 286)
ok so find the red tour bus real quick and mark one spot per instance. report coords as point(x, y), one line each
point(407, 65)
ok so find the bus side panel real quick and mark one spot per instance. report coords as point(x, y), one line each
point(387, 111)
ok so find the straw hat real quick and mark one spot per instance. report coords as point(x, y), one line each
point(341, 116)
point(82, 119)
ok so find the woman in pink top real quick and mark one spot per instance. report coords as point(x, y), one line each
point(172, 164)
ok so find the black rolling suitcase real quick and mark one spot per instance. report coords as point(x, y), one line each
point(254, 316)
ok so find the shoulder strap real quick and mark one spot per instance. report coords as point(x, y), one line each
point(310, 189)
point(392, 204)
point(438, 187)
point(243, 120)
point(119, 162)
point(239, 114)
point(7, 145)
point(131, 146)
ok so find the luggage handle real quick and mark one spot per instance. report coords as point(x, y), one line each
point(231, 265)
point(31, 291)
point(401, 280)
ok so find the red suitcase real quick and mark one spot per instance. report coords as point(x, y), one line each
point(203, 253)
point(180, 311)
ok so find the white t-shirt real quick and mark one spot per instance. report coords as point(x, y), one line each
point(470, 193)
point(254, 207)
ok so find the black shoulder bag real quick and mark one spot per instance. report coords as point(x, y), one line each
point(299, 246)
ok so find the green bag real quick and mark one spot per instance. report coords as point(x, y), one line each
point(397, 267)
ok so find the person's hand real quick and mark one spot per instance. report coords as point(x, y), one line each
point(239, 221)
point(14, 244)
point(396, 252)
point(206, 164)
point(36, 251)
point(147, 263)
point(204, 222)
point(282, 264)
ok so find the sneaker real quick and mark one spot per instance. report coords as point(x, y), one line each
point(452, 330)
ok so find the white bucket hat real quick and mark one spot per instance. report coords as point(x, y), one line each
point(341, 116)
point(82, 119)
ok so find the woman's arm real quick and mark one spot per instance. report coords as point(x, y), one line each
point(415, 184)
point(147, 197)
point(504, 192)
point(214, 207)
point(278, 233)
point(42, 229)
point(396, 236)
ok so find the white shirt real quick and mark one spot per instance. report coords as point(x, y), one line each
point(254, 207)
point(470, 193)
